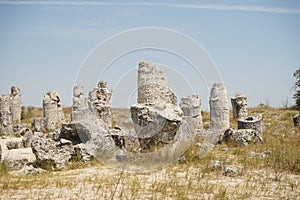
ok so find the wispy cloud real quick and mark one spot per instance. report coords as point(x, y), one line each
point(248, 8)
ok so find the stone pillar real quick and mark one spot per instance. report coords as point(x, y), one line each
point(99, 99)
point(156, 117)
point(191, 107)
point(239, 106)
point(254, 123)
point(219, 111)
point(153, 86)
point(15, 104)
point(53, 113)
point(5, 115)
point(79, 103)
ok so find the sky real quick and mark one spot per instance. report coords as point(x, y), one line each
point(253, 44)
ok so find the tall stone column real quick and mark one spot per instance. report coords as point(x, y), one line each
point(53, 113)
point(79, 103)
point(191, 107)
point(239, 106)
point(15, 104)
point(5, 115)
point(99, 99)
point(219, 110)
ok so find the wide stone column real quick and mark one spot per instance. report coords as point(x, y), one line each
point(239, 106)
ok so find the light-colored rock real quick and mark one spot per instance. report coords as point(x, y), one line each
point(81, 153)
point(153, 86)
point(52, 154)
point(19, 129)
point(239, 106)
point(29, 170)
point(27, 138)
point(38, 125)
point(14, 144)
point(16, 163)
point(99, 101)
point(155, 125)
point(16, 102)
point(79, 102)
point(242, 136)
point(5, 115)
point(254, 123)
point(191, 107)
point(125, 139)
point(231, 171)
point(219, 111)
point(53, 113)
point(69, 132)
point(215, 165)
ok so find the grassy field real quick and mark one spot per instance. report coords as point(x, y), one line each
point(275, 175)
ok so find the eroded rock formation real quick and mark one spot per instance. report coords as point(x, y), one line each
point(219, 111)
point(15, 104)
point(5, 115)
point(156, 117)
point(153, 86)
point(191, 107)
point(239, 106)
point(53, 113)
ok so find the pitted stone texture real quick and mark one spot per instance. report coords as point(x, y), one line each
point(79, 102)
point(38, 125)
point(242, 136)
point(219, 111)
point(69, 132)
point(191, 107)
point(53, 113)
point(99, 101)
point(5, 115)
point(15, 104)
point(126, 140)
point(155, 125)
point(153, 86)
point(239, 106)
point(52, 154)
point(254, 123)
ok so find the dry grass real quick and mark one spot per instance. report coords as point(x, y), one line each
point(276, 176)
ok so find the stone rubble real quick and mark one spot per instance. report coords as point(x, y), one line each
point(239, 106)
point(242, 136)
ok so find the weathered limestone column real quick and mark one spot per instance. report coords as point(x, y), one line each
point(15, 104)
point(254, 123)
point(156, 117)
point(53, 112)
point(191, 107)
point(79, 103)
point(99, 99)
point(5, 115)
point(153, 86)
point(219, 111)
point(239, 106)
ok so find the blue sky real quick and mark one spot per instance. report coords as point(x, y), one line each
point(255, 44)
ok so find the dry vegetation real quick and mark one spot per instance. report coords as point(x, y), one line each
point(276, 176)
